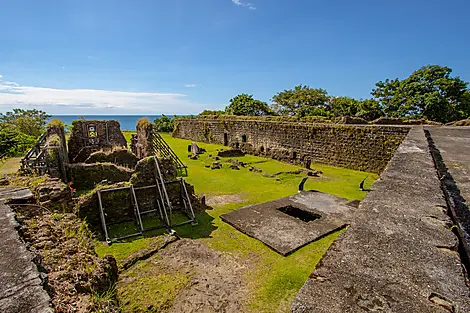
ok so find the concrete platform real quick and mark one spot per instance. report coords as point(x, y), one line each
point(399, 254)
point(290, 223)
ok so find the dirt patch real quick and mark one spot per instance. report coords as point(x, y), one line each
point(224, 199)
point(190, 278)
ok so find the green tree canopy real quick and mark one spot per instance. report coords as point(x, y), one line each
point(429, 92)
point(343, 106)
point(369, 109)
point(244, 104)
point(164, 123)
point(301, 101)
point(28, 122)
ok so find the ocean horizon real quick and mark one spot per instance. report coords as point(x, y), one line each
point(128, 122)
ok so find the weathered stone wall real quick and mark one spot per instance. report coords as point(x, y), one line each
point(359, 147)
point(141, 147)
point(56, 155)
point(83, 141)
point(86, 176)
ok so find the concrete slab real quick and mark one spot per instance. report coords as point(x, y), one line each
point(16, 194)
point(290, 223)
point(20, 286)
point(398, 255)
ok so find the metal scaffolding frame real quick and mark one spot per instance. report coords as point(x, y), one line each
point(164, 208)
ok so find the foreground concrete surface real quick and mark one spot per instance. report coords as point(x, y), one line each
point(398, 254)
point(20, 285)
point(284, 233)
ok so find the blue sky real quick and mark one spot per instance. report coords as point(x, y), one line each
point(181, 56)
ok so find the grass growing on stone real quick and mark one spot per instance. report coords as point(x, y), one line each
point(273, 280)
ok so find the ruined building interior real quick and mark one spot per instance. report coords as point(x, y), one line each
point(403, 248)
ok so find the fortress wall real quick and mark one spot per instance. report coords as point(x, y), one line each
point(360, 147)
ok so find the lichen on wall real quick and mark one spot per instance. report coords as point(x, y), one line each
point(359, 147)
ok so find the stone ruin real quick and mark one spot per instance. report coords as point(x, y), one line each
point(89, 136)
point(97, 159)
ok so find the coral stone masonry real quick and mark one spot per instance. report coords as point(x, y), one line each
point(359, 147)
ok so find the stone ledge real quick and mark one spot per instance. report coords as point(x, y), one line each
point(398, 255)
point(20, 284)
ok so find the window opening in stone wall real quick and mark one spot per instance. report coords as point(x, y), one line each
point(225, 139)
point(300, 214)
point(243, 138)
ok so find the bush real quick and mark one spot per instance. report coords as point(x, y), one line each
point(164, 124)
point(15, 143)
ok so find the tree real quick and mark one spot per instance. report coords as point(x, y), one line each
point(429, 92)
point(164, 123)
point(369, 109)
point(301, 101)
point(14, 142)
point(28, 122)
point(244, 104)
point(343, 106)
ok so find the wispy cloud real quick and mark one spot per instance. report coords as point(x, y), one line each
point(244, 4)
point(190, 85)
point(69, 101)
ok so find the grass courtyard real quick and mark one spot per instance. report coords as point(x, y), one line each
point(271, 280)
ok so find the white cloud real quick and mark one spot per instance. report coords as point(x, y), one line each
point(1, 75)
point(190, 85)
point(94, 101)
point(244, 4)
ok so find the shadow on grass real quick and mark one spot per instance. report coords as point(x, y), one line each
point(203, 229)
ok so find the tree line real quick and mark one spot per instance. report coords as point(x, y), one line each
point(19, 130)
point(428, 93)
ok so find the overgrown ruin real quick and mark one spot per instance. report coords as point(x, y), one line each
point(404, 248)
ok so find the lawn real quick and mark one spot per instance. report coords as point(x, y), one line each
point(9, 166)
point(273, 279)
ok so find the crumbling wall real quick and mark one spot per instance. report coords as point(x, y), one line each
point(117, 156)
point(90, 136)
point(141, 146)
point(56, 155)
point(359, 147)
point(86, 176)
point(118, 205)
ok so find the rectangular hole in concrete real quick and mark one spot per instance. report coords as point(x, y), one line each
point(299, 213)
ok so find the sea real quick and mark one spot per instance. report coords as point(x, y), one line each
point(127, 122)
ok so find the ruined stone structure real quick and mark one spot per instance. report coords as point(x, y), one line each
point(90, 136)
point(359, 147)
point(56, 155)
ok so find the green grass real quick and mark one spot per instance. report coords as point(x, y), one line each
point(150, 287)
point(9, 166)
point(273, 280)
point(128, 134)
